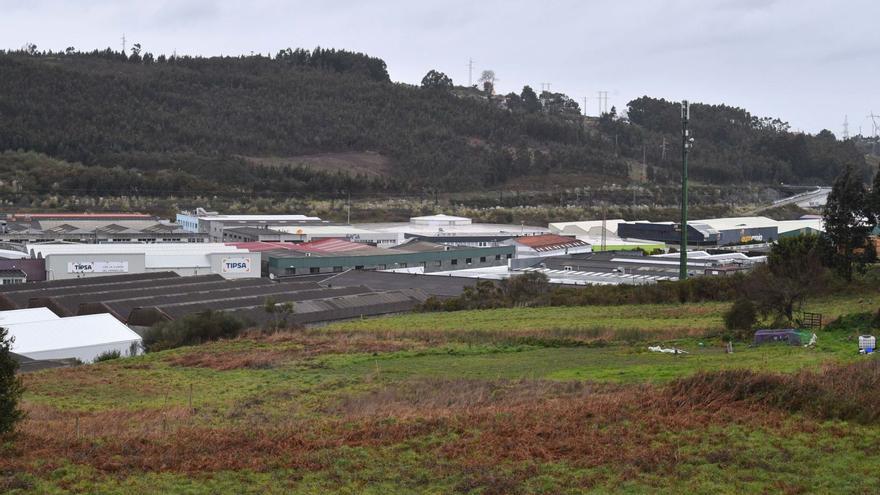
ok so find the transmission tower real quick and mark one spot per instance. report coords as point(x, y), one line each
point(470, 72)
point(874, 118)
point(123, 43)
point(603, 97)
point(845, 127)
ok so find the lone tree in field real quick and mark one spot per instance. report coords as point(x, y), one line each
point(794, 271)
point(848, 222)
point(10, 386)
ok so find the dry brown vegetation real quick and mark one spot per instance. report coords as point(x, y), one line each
point(534, 421)
point(295, 345)
point(836, 392)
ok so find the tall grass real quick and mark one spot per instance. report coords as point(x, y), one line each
point(850, 392)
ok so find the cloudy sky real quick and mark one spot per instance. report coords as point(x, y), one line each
point(809, 62)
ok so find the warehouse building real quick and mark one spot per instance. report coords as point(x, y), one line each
point(65, 261)
point(142, 300)
point(602, 235)
point(212, 223)
point(336, 256)
point(453, 231)
point(34, 269)
point(547, 245)
point(615, 268)
point(586, 227)
point(712, 231)
point(310, 233)
point(39, 334)
point(669, 232)
point(256, 234)
point(24, 228)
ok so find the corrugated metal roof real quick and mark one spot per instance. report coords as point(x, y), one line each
point(549, 242)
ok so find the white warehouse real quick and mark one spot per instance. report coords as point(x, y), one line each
point(40, 334)
point(65, 261)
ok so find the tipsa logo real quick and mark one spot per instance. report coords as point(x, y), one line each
point(236, 265)
point(82, 266)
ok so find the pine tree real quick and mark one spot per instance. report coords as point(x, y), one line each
point(10, 386)
point(847, 222)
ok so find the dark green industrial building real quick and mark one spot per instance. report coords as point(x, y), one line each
point(426, 256)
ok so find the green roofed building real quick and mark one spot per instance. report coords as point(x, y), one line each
point(336, 255)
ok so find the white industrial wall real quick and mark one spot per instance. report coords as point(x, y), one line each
point(57, 264)
point(229, 265)
point(86, 354)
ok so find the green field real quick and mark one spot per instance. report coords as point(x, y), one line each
point(527, 400)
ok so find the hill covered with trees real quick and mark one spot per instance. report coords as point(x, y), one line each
point(167, 125)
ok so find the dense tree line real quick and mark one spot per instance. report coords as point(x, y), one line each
point(732, 145)
point(150, 119)
point(103, 108)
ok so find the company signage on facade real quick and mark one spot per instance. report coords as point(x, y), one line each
point(97, 267)
point(236, 265)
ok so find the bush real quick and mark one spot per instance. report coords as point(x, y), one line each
point(10, 386)
point(108, 355)
point(837, 392)
point(861, 323)
point(192, 329)
point(740, 319)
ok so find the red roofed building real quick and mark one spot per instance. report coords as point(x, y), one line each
point(24, 217)
point(548, 245)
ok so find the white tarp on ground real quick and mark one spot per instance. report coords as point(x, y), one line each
point(26, 316)
point(82, 337)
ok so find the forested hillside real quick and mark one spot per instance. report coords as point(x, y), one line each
point(168, 125)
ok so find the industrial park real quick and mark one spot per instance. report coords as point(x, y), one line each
point(82, 264)
point(469, 248)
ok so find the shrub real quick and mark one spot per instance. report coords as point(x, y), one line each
point(837, 392)
point(192, 329)
point(861, 323)
point(108, 355)
point(10, 386)
point(740, 318)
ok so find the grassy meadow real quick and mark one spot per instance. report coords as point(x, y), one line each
point(509, 401)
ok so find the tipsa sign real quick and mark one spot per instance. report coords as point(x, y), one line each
point(97, 267)
point(236, 265)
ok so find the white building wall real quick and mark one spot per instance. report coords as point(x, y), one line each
point(236, 265)
point(87, 354)
point(67, 266)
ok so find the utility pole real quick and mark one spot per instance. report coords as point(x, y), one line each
point(585, 106)
point(845, 127)
point(686, 143)
point(603, 96)
point(470, 72)
point(123, 43)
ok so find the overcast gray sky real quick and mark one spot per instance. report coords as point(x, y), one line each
point(809, 62)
